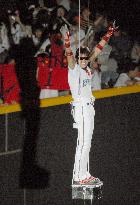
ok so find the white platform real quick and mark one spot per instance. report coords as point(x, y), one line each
point(86, 191)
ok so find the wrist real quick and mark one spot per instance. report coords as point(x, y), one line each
point(106, 38)
point(67, 44)
point(110, 32)
point(70, 53)
point(99, 46)
point(67, 40)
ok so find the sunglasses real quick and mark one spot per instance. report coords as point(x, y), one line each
point(84, 58)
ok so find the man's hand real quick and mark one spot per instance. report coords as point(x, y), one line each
point(17, 19)
point(112, 29)
point(65, 32)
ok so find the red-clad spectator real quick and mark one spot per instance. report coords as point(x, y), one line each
point(11, 87)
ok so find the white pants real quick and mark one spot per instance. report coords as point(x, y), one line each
point(46, 93)
point(83, 114)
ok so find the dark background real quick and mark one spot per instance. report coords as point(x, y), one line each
point(126, 12)
point(114, 155)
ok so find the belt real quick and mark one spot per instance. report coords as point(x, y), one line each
point(84, 101)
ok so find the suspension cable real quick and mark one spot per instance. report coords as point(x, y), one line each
point(79, 26)
point(88, 21)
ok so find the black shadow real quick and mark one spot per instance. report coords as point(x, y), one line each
point(31, 175)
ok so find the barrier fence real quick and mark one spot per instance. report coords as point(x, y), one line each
point(105, 93)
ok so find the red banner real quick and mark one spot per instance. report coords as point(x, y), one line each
point(52, 74)
point(1, 82)
point(10, 85)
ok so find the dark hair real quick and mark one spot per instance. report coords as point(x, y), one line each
point(83, 50)
point(129, 66)
point(37, 27)
point(50, 4)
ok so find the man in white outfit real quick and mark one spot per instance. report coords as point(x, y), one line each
point(79, 78)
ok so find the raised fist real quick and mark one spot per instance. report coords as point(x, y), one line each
point(112, 29)
point(65, 32)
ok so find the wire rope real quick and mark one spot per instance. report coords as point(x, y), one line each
point(79, 25)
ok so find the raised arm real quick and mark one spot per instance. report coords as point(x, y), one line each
point(70, 57)
point(98, 48)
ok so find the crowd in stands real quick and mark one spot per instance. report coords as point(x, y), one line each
point(117, 65)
